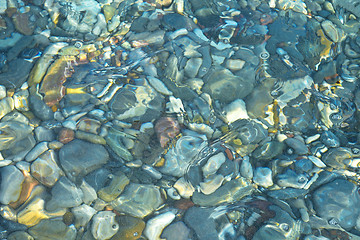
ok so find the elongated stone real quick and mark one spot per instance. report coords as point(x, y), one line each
point(11, 182)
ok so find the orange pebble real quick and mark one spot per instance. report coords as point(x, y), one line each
point(66, 135)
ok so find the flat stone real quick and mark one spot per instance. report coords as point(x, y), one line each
point(40, 109)
point(229, 192)
point(298, 146)
point(79, 158)
point(263, 177)
point(339, 200)
point(64, 195)
point(83, 215)
point(104, 225)
point(11, 183)
point(53, 229)
point(138, 200)
point(45, 169)
point(200, 221)
point(176, 231)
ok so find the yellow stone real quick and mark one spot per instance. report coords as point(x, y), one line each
point(109, 12)
point(115, 188)
point(41, 66)
point(34, 212)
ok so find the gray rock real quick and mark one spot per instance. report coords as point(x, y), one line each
point(138, 200)
point(330, 139)
point(263, 177)
point(287, 193)
point(338, 200)
point(291, 179)
point(268, 150)
point(299, 147)
point(225, 86)
point(43, 134)
point(229, 192)
point(20, 235)
point(104, 225)
point(200, 221)
point(179, 158)
point(336, 157)
point(249, 132)
point(64, 195)
point(11, 182)
point(79, 158)
point(45, 168)
point(281, 227)
point(53, 229)
point(176, 231)
point(40, 109)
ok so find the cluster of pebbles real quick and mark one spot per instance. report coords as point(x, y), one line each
point(179, 119)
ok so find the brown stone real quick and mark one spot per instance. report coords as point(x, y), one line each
point(66, 135)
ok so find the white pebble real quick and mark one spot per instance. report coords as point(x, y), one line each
point(159, 86)
point(316, 161)
point(156, 225)
point(236, 110)
point(213, 164)
point(263, 177)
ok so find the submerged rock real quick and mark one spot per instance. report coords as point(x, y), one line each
point(138, 200)
point(338, 200)
point(79, 158)
point(11, 184)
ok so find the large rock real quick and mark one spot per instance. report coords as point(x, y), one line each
point(138, 200)
point(79, 158)
point(338, 200)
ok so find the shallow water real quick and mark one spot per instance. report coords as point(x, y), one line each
point(179, 120)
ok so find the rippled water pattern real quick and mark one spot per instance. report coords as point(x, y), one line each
point(179, 119)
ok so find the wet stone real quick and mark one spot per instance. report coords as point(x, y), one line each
point(45, 169)
point(330, 139)
point(291, 179)
point(104, 225)
point(179, 157)
point(138, 200)
point(79, 158)
point(336, 157)
point(339, 200)
point(299, 147)
point(64, 195)
point(117, 184)
point(287, 193)
point(11, 182)
point(43, 134)
point(12, 132)
point(176, 231)
point(83, 215)
point(20, 235)
point(200, 221)
point(282, 226)
point(249, 132)
point(129, 228)
point(53, 229)
point(263, 176)
point(226, 87)
point(229, 192)
point(40, 109)
point(269, 150)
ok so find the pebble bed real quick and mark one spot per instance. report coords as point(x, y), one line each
point(179, 119)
